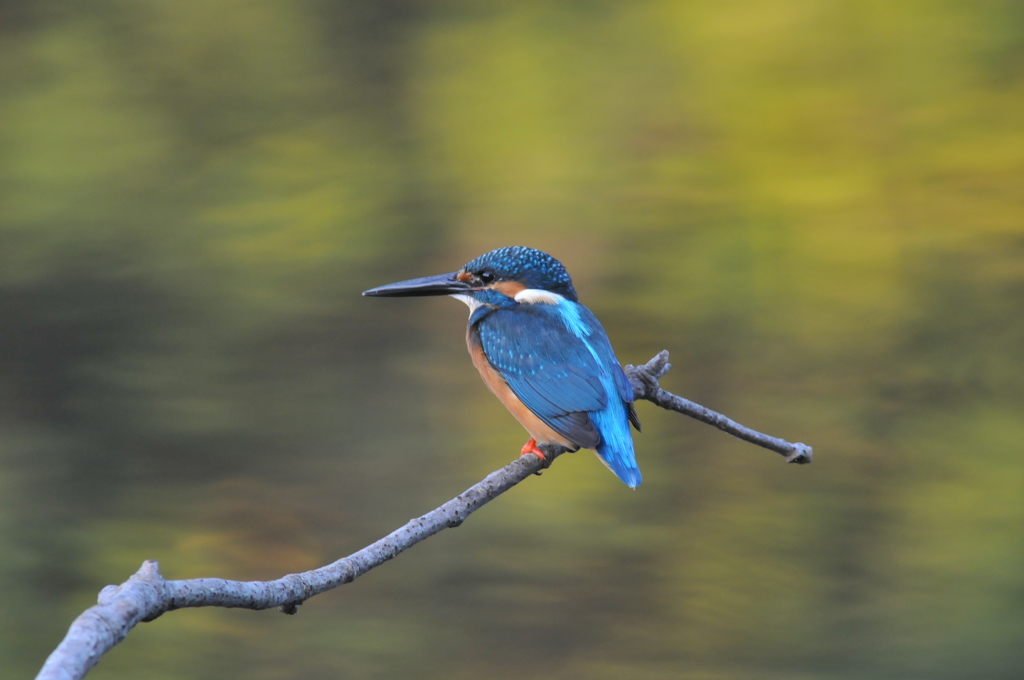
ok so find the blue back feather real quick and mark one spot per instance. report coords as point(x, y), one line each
point(559, 362)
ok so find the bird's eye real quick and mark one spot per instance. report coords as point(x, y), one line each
point(486, 276)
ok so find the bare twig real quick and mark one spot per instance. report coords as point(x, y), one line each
point(146, 595)
point(645, 386)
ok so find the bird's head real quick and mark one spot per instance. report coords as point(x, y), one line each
point(506, 272)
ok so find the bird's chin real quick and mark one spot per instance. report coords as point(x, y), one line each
point(470, 301)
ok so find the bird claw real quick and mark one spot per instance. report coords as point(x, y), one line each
point(531, 447)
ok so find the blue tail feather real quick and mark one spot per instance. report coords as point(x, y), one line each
point(616, 447)
point(622, 463)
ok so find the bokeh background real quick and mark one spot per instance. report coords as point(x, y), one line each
point(817, 207)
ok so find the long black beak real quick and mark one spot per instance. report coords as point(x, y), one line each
point(442, 284)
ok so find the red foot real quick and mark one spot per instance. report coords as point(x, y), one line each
point(531, 447)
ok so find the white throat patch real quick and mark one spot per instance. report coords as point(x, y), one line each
point(470, 301)
point(535, 296)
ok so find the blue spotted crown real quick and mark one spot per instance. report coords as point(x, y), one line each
point(529, 266)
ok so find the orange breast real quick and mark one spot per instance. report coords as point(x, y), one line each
point(534, 425)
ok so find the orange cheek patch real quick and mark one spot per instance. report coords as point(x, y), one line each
point(509, 288)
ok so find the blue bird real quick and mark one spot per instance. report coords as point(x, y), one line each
point(541, 352)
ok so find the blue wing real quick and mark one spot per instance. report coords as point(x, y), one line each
point(559, 362)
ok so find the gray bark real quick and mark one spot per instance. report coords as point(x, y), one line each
point(146, 595)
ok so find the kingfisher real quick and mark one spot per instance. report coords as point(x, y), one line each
point(543, 354)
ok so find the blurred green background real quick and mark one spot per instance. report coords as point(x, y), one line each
point(817, 207)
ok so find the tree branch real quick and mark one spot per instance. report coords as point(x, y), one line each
point(645, 386)
point(146, 595)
